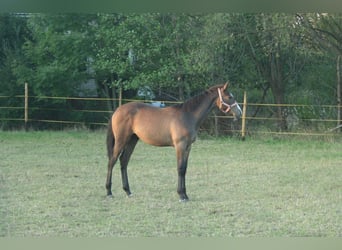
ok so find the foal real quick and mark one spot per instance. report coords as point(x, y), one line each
point(174, 126)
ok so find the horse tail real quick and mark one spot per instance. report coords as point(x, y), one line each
point(110, 139)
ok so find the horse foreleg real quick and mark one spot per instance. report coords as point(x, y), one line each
point(124, 159)
point(182, 164)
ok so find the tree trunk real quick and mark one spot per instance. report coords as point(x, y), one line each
point(109, 93)
point(278, 91)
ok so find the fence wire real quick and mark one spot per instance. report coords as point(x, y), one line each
point(303, 119)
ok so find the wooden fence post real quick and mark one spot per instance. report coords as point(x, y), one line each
point(120, 95)
point(26, 106)
point(339, 91)
point(243, 126)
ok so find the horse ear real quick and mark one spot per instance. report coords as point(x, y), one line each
point(225, 86)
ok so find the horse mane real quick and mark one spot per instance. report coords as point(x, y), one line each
point(196, 100)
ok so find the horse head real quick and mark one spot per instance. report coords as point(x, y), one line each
point(227, 103)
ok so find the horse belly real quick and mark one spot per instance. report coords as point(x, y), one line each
point(153, 131)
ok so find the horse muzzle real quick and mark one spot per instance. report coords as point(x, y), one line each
point(236, 110)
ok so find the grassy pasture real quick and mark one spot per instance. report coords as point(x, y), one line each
point(52, 184)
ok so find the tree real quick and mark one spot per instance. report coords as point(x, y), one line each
point(181, 41)
point(57, 53)
point(175, 55)
point(55, 62)
point(277, 49)
point(13, 33)
point(137, 50)
point(326, 31)
point(124, 51)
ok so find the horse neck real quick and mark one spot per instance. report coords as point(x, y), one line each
point(201, 106)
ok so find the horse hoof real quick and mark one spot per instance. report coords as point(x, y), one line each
point(129, 195)
point(109, 196)
point(184, 200)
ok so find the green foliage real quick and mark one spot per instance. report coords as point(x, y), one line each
point(276, 57)
point(56, 54)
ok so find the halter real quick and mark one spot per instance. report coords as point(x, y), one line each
point(224, 103)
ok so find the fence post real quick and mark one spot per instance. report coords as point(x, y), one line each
point(339, 91)
point(243, 126)
point(26, 106)
point(120, 95)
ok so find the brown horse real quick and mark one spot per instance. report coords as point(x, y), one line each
point(175, 126)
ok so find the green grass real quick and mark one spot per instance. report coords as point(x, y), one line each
point(52, 184)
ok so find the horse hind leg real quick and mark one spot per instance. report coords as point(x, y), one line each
point(124, 159)
point(111, 164)
point(117, 151)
